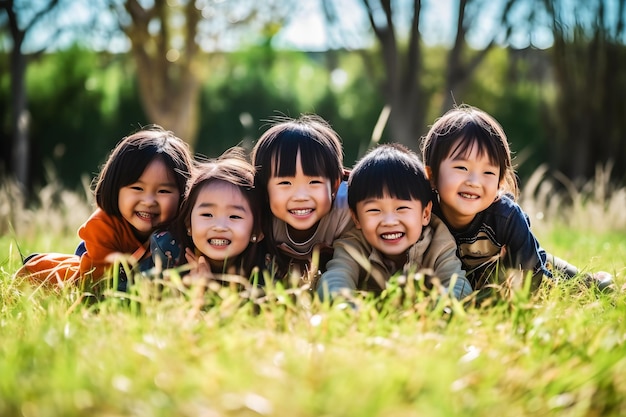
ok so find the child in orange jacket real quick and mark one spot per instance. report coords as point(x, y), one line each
point(138, 190)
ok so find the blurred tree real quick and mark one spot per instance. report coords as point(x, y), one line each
point(406, 96)
point(33, 27)
point(169, 41)
point(462, 60)
point(588, 117)
point(20, 19)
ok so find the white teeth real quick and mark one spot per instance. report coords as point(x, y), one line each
point(301, 212)
point(144, 214)
point(219, 242)
point(470, 196)
point(392, 236)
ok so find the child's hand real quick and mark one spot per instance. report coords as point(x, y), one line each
point(200, 269)
point(190, 256)
point(198, 279)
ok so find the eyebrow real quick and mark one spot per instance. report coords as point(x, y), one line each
point(160, 184)
point(232, 206)
point(371, 200)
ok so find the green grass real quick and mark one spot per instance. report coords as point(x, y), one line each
point(559, 352)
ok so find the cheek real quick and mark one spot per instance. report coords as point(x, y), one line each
point(326, 199)
point(193, 223)
point(445, 182)
point(172, 206)
point(274, 198)
point(123, 198)
point(325, 208)
point(276, 206)
point(246, 229)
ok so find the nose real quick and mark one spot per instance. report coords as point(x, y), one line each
point(150, 199)
point(472, 178)
point(301, 193)
point(220, 224)
point(389, 219)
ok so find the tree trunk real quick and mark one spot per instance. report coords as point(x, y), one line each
point(20, 119)
point(168, 85)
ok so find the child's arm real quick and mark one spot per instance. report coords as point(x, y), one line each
point(522, 248)
point(442, 256)
point(343, 271)
point(448, 267)
point(341, 275)
point(103, 237)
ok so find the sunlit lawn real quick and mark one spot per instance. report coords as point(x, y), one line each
point(561, 352)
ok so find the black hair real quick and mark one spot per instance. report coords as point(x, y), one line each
point(389, 170)
point(231, 167)
point(319, 145)
point(130, 157)
point(476, 128)
point(275, 154)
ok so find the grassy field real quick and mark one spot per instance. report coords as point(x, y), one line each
point(560, 351)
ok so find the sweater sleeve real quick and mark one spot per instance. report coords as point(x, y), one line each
point(104, 236)
point(343, 271)
point(444, 260)
point(522, 247)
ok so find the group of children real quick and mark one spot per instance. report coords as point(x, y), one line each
point(292, 212)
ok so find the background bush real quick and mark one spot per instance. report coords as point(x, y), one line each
point(82, 103)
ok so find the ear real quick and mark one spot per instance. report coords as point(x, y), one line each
point(355, 219)
point(426, 213)
point(500, 191)
point(335, 187)
point(429, 175)
point(256, 237)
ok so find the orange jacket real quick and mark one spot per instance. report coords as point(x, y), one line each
point(104, 236)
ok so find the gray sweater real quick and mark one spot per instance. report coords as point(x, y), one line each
point(356, 265)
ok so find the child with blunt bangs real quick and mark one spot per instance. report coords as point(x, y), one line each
point(468, 160)
point(390, 201)
point(299, 173)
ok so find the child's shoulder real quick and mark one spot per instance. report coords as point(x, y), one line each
point(341, 198)
point(506, 212)
point(505, 204)
point(339, 217)
point(98, 217)
point(439, 231)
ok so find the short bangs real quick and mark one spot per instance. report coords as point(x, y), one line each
point(484, 140)
point(388, 171)
point(131, 157)
point(315, 157)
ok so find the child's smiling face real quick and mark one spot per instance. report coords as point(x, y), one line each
point(300, 200)
point(221, 222)
point(467, 184)
point(392, 225)
point(150, 201)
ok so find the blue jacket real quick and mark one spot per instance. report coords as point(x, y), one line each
point(499, 238)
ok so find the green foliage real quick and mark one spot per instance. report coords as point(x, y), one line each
point(515, 103)
point(82, 103)
point(176, 350)
point(239, 101)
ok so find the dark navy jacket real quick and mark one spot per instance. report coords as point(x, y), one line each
point(498, 238)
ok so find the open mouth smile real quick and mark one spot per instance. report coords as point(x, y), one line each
point(301, 212)
point(391, 236)
point(469, 196)
point(219, 242)
point(145, 215)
